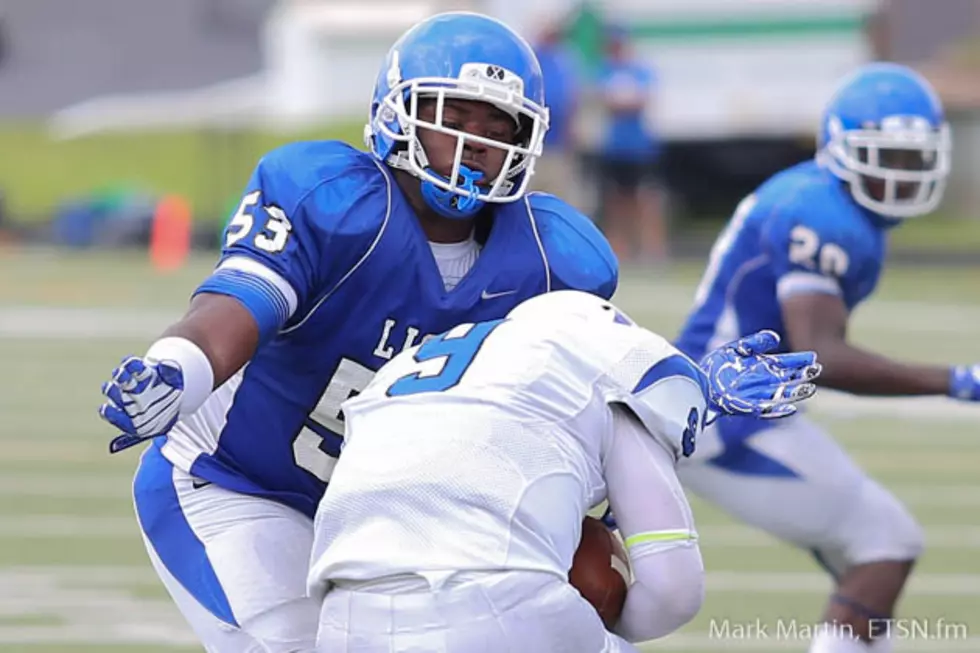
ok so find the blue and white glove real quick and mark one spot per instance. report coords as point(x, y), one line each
point(143, 400)
point(964, 382)
point(744, 379)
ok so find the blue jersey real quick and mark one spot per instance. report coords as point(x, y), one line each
point(331, 261)
point(800, 232)
point(627, 136)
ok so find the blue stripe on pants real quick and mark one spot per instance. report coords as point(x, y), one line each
point(173, 539)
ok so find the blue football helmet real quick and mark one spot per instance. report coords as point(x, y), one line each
point(462, 56)
point(885, 134)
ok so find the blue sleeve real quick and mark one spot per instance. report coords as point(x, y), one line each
point(279, 249)
point(810, 251)
point(578, 254)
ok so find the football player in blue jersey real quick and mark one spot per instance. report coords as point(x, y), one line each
point(335, 260)
point(797, 256)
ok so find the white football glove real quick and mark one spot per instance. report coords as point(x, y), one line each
point(143, 400)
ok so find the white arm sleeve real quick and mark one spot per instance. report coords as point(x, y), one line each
point(656, 523)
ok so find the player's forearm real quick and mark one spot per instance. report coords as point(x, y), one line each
point(854, 370)
point(223, 329)
point(656, 523)
point(667, 593)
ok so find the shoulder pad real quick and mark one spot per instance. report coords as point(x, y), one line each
point(340, 189)
point(309, 211)
point(578, 253)
point(664, 388)
point(814, 198)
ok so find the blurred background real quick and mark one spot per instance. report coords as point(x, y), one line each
point(128, 129)
point(108, 107)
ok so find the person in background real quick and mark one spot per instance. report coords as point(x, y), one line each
point(632, 211)
point(557, 171)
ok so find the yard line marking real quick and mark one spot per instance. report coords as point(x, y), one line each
point(35, 579)
point(813, 582)
point(938, 536)
point(44, 485)
point(48, 485)
point(738, 536)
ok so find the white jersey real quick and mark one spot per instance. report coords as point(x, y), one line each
point(482, 449)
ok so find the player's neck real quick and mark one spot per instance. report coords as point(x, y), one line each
point(437, 228)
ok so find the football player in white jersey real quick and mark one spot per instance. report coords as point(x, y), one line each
point(469, 463)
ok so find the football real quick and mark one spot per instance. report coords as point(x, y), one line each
point(600, 570)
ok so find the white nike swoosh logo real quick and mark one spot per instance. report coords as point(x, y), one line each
point(492, 295)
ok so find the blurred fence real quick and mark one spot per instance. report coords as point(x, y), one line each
point(741, 89)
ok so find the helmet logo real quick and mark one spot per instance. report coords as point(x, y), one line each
point(498, 77)
point(495, 73)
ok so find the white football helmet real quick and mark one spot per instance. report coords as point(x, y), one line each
point(561, 305)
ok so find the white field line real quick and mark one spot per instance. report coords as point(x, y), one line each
point(82, 323)
point(842, 406)
point(731, 536)
point(59, 487)
point(102, 634)
point(819, 582)
point(21, 580)
point(88, 324)
point(637, 296)
point(97, 610)
point(888, 315)
point(727, 535)
point(47, 486)
point(88, 602)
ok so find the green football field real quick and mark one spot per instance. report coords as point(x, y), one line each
point(74, 575)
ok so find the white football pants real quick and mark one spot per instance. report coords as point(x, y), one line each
point(510, 612)
point(235, 565)
point(795, 482)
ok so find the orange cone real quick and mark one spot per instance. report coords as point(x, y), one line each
point(170, 233)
